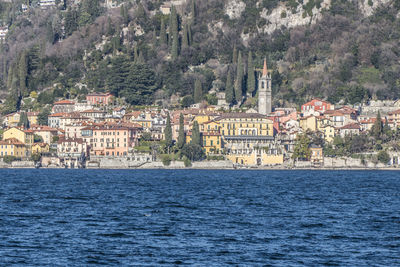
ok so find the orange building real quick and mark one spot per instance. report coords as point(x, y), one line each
point(111, 139)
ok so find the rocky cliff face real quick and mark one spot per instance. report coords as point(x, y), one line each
point(367, 9)
point(283, 16)
point(289, 17)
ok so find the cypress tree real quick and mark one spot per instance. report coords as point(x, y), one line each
point(163, 33)
point(10, 76)
point(234, 55)
point(189, 30)
point(196, 138)
point(23, 72)
point(168, 133)
point(193, 9)
point(239, 79)
point(198, 91)
point(377, 128)
point(124, 14)
point(174, 48)
point(154, 38)
point(110, 27)
point(185, 38)
point(229, 92)
point(181, 136)
point(135, 54)
point(174, 32)
point(251, 78)
point(23, 120)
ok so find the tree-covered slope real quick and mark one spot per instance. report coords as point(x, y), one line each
point(345, 51)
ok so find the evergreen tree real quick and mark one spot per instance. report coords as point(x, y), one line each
point(386, 127)
point(181, 136)
point(141, 84)
point(198, 91)
point(229, 92)
point(154, 38)
point(10, 76)
point(168, 133)
point(23, 72)
point(251, 78)
point(196, 137)
point(189, 30)
point(185, 37)
point(193, 9)
point(163, 33)
point(174, 32)
point(23, 120)
point(301, 149)
point(71, 21)
point(135, 54)
point(377, 128)
point(174, 48)
point(117, 75)
point(110, 28)
point(234, 55)
point(43, 117)
point(124, 14)
point(239, 79)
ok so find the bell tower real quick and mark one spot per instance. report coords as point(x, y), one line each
point(264, 91)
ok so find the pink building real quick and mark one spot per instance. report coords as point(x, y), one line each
point(112, 139)
point(99, 98)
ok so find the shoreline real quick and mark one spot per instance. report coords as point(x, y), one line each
point(224, 168)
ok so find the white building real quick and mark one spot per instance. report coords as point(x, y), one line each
point(47, 3)
point(3, 32)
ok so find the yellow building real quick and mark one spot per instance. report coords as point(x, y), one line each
point(24, 136)
point(12, 147)
point(210, 126)
point(249, 139)
point(317, 155)
point(308, 123)
point(32, 117)
point(11, 120)
point(212, 142)
point(245, 124)
point(328, 132)
point(204, 118)
point(39, 148)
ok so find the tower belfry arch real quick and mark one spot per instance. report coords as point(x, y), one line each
point(265, 91)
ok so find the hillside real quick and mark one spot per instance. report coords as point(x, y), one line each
point(343, 51)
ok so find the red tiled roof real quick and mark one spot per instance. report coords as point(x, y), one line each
point(11, 141)
point(64, 102)
point(70, 140)
point(58, 115)
point(42, 128)
point(99, 94)
point(351, 126)
point(394, 112)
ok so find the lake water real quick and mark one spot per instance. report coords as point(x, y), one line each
point(203, 218)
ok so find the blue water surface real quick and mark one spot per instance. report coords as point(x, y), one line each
point(202, 218)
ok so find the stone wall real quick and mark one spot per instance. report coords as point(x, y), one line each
point(23, 164)
point(217, 164)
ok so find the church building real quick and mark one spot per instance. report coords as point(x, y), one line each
point(265, 91)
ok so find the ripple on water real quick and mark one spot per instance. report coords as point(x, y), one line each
point(192, 217)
